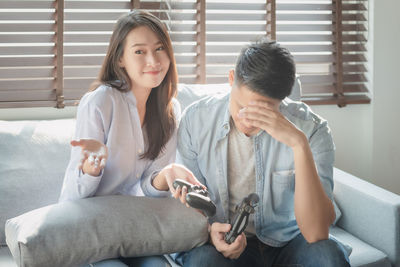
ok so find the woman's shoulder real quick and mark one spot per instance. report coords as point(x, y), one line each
point(103, 95)
point(99, 93)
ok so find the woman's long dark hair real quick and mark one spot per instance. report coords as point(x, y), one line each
point(159, 119)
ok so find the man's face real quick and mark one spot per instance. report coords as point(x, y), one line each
point(241, 98)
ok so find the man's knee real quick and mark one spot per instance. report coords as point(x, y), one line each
point(205, 255)
point(328, 253)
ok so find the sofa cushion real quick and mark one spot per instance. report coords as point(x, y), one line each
point(362, 255)
point(33, 159)
point(6, 259)
point(188, 93)
point(370, 213)
point(92, 229)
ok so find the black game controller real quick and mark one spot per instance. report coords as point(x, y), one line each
point(241, 217)
point(197, 197)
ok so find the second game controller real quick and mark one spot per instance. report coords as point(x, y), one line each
point(241, 217)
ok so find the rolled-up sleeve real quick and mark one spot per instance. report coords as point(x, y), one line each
point(89, 124)
point(186, 153)
point(167, 157)
point(323, 150)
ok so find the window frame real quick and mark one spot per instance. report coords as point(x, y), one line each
point(346, 82)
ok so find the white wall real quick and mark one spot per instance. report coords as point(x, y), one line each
point(352, 133)
point(386, 130)
point(367, 137)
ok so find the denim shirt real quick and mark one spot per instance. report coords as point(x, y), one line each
point(203, 145)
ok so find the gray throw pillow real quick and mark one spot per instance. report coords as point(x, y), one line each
point(89, 230)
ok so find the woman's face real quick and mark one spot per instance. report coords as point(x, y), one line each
point(144, 58)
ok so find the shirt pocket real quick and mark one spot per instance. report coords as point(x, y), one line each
point(283, 191)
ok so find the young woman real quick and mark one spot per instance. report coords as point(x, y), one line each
point(125, 137)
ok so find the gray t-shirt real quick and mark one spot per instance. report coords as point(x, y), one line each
point(241, 171)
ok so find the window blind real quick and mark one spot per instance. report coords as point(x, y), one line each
point(229, 26)
point(51, 51)
point(208, 35)
point(185, 22)
point(327, 39)
point(354, 51)
point(88, 27)
point(28, 31)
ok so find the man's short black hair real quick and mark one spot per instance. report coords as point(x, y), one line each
point(266, 68)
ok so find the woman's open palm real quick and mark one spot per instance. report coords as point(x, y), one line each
point(93, 156)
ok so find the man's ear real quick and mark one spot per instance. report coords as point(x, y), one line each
point(231, 77)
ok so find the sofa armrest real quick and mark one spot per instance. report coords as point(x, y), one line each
point(369, 212)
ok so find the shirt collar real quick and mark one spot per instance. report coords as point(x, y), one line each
point(131, 98)
point(224, 127)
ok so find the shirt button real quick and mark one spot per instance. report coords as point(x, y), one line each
point(139, 151)
point(137, 175)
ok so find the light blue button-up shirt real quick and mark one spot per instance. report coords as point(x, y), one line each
point(111, 117)
point(203, 146)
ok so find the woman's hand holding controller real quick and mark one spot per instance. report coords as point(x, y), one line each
point(93, 156)
point(165, 179)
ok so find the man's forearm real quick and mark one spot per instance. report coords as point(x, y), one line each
point(313, 209)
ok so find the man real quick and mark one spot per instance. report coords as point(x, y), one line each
point(255, 140)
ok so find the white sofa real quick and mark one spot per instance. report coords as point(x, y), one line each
point(34, 155)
